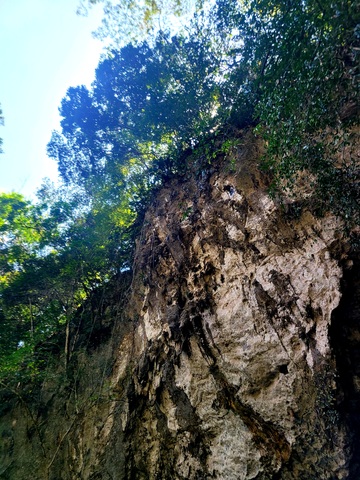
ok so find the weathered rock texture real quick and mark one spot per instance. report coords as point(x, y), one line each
point(222, 366)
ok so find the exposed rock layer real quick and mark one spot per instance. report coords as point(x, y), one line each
point(223, 366)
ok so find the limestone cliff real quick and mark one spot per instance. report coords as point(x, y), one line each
point(225, 362)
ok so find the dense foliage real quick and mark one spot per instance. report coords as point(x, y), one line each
point(128, 21)
point(289, 69)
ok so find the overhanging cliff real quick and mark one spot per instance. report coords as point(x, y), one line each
point(220, 364)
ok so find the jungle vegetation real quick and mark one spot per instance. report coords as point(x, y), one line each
point(289, 69)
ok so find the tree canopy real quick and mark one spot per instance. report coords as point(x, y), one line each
point(127, 21)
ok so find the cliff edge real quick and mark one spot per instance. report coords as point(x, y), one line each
point(224, 362)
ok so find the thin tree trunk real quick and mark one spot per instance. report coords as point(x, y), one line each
point(67, 343)
point(31, 320)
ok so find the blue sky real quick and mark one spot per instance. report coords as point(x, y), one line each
point(44, 49)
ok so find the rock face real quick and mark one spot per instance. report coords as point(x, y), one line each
point(223, 367)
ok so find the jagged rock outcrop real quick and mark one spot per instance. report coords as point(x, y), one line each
point(222, 365)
